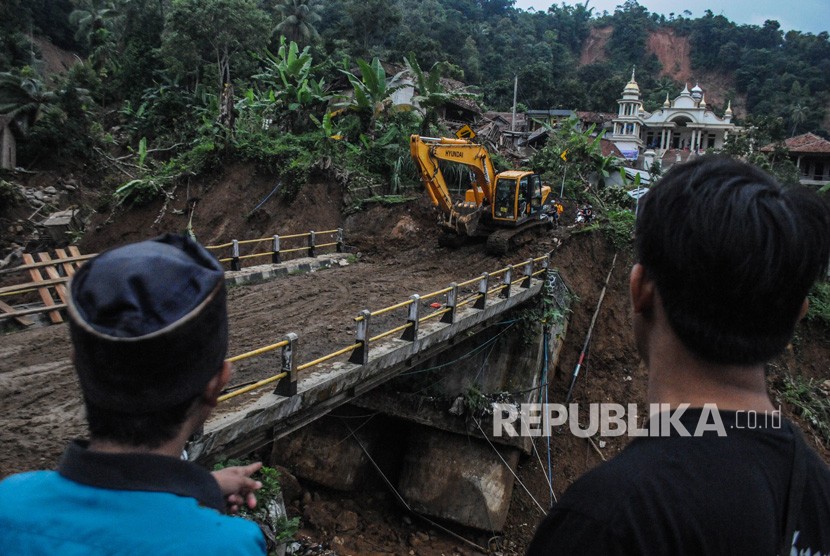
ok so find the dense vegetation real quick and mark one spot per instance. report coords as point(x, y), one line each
point(288, 82)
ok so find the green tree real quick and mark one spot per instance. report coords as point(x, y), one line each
point(24, 94)
point(370, 22)
point(299, 18)
point(431, 95)
point(371, 91)
point(583, 163)
point(797, 116)
point(214, 32)
point(289, 92)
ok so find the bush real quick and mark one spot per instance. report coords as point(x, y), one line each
point(819, 299)
point(277, 532)
point(619, 228)
point(9, 195)
point(809, 402)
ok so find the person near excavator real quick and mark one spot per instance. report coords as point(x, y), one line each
point(557, 211)
point(149, 329)
point(725, 260)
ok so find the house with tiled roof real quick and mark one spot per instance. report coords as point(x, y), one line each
point(811, 154)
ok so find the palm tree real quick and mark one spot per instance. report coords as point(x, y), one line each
point(298, 19)
point(90, 18)
point(95, 20)
point(24, 95)
point(798, 114)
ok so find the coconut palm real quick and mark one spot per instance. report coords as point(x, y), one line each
point(798, 114)
point(24, 95)
point(298, 19)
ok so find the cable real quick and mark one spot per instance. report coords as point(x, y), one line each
point(404, 502)
point(276, 187)
point(542, 467)
point(470, 353)
point(547, 388)
point(590, 331)
point(518, 480)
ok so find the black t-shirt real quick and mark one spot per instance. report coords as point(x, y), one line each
point(678, 495)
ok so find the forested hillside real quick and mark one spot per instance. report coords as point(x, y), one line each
point(157, 68)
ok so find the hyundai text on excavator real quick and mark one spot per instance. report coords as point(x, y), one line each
point(503, 207)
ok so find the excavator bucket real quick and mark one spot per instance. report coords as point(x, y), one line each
point(464, 220)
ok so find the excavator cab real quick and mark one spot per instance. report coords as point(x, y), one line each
point(517, 196)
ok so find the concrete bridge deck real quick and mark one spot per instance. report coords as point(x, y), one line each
point(320, 389)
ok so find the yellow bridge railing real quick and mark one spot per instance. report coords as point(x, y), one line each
point(274, 248)
point(484, 287)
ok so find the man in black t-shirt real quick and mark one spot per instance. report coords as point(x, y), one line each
point(726, 257)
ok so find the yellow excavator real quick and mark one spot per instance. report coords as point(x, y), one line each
point(502, 207)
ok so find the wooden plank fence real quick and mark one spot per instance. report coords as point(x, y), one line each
point(51, 288)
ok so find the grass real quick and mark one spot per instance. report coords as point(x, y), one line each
point(810, 402)
point(820, 303)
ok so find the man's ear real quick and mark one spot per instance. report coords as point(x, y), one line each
point(214, 388)
point(642, 290)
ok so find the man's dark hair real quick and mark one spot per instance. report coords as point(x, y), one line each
point(733, 256)
point(148, 430)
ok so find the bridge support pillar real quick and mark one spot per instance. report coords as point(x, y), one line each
point(452, 304)
point(235, 262)
point(360, 355)
point(275, 256)
point(288, 385)
point(411, 333)
point(508, 281)
point(483, 287)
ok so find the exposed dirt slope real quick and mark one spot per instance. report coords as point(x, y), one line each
point(673, 53)
point(594, 48)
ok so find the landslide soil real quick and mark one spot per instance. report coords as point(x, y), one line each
point(396, 254)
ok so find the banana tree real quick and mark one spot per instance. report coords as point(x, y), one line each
point(372, 91)
point(290, 90)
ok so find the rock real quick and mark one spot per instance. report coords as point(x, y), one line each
point(50, 190)
point(457, 407)
point(602, 443)
point(291, 489)
point(347, 521)
point(68, 187)
point(343, 262)
point(40, 195)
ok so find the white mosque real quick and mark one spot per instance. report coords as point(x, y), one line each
point(686, 124)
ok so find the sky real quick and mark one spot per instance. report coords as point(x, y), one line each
point(807, 16)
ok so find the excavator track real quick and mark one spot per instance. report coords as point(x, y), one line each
point(508, 239)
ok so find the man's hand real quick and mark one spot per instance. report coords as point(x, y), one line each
point(237, 486)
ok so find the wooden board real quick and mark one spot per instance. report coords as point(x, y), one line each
point(45, 294)
point(52, 272)
point(6, 308)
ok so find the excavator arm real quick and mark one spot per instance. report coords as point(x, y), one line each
point(427, 151)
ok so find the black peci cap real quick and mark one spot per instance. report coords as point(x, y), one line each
point(149, 324)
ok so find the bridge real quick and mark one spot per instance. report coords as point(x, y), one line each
point(299, 393)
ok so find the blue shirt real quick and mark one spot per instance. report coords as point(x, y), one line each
point(100, 503)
